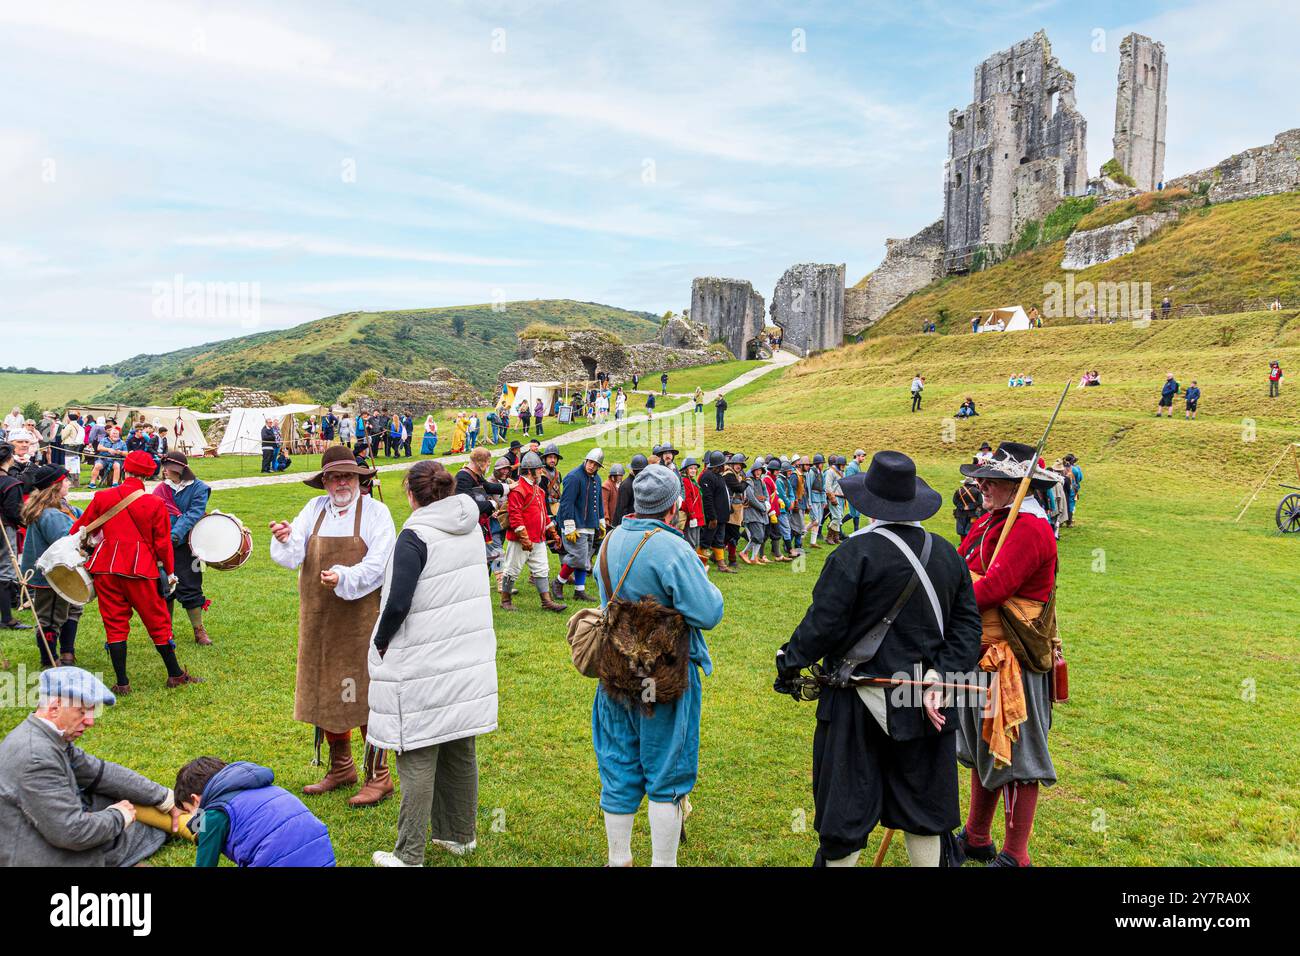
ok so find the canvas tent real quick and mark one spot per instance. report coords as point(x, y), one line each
point(1009, 319)
point(244, 430)
point(516, 392)
point(192, 440)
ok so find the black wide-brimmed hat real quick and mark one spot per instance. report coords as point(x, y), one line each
point(337, 458)
point(179, 458)
point(889, 490)
point(1010, 463)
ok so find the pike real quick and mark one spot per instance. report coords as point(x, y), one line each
point(1023, 490)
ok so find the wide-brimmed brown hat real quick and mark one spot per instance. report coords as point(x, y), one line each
point(337, 458)
point(179, 458)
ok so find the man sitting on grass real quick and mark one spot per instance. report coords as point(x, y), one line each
point(237, 810)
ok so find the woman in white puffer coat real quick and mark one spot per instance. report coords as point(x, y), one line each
point(433, 679)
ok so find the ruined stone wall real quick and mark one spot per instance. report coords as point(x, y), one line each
point(232, 396)
point(577, 357)
point(1140, 110)
point(808, 304)
point(909, 264)
point(442, 389)
point(1023, 111)
point(729, 310)
point(1037, 190)
point(1261, 171)
point(1094, 246)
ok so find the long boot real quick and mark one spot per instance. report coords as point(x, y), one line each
point(196, 621)
point(720, 561)
point(507, 589)
point(379, 779)
point(342, 771)
point(556, 589)
point(548, 603)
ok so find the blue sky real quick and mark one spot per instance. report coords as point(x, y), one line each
point(348, 156)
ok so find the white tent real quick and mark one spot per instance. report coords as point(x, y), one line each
point(516, 392)
point(244, 430)
point(192, 440)
point(1012, 318)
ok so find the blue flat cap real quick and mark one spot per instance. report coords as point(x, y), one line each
point(73, 683)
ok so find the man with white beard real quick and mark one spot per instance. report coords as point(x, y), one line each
point(340, 543)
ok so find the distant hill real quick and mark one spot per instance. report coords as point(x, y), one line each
point(323, 357)
point(1228, 257)
point(50, 390)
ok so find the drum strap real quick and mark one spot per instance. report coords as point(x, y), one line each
point(113, 512)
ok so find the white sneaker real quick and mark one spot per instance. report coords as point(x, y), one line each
point(456, 849)
point(385, 858)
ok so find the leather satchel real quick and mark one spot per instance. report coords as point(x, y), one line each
point(589, 627)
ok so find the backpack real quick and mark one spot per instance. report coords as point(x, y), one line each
point(640, 650)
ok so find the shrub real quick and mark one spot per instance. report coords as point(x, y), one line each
point(1112, 170)
point(1140, 205)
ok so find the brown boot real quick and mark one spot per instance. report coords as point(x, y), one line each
point(379, 780)
point(549, 603)
point(195, 615)
point(185, 677)
point(507, 588)
point(342, 771)
point(720, 562)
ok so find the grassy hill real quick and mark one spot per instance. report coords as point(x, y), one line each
point(323, 357)
point(1218, 255)
point(49, 390)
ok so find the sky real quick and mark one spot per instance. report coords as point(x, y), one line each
point(178, 172)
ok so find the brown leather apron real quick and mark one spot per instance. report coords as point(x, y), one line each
point(333, 682)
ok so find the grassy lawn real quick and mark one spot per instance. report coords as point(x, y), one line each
point(50, 391)
point(684, 381)
point(1175, 748)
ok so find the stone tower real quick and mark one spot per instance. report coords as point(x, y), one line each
point(808, 305)
point(1013, 152)
point(1140, 110)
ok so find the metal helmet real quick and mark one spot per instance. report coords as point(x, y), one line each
point(773, 464)
point(501, 463)
point(657, 450)
point(805, 460)
point(530, 461)
point(595, 455)
point(737, 459)
point(759, 462)
point(668, 447)
point(689, 462)
point(819, 459)
point(616, 469)
point(716, 458)
point(638, 462)
point(550, 449)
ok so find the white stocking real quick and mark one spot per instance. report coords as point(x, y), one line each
point(665, 832)
point(850, 860)
point(922, 850)
point(618, 834)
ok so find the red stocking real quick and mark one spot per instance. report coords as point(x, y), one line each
point(1022, 801)
point(983, 804)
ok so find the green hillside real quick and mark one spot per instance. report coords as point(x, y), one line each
point(323, 357)
point(48, 390)
point(1217, 256)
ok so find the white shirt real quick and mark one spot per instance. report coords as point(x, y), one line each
point(377, 531)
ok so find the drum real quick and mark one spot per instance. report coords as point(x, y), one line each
point(64, 567)
point(221, 541)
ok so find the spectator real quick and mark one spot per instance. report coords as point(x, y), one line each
point(1193, 396)
point(1274, 379)
point(918, 384)
point(663, 383)
point(720, 410)
point(1166, 305)
point(1167, 393)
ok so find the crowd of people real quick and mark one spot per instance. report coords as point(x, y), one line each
point(68, 439)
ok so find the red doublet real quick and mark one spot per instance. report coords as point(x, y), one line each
point(135, 541)
point(694, 501)
point(1026, 565)
point(526, 506)
point(125, 563)
point(773, 499)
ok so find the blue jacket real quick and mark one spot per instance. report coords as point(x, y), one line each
point(49, 527)
point(785, 489)
point(269, 826)
point(193, 502)
point(816, 485)
point(580, 500)
point(1170, 388)
point(669, 570)
point(1193, 394)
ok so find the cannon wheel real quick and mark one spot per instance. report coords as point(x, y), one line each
point(1288, 514)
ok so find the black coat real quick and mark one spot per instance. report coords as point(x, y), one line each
point(861, 580)
point(716, 499)
point(624, 505)
point(478, 488)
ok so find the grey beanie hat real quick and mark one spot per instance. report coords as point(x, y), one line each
point(655, 490)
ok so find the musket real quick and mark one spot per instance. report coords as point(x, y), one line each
point(1026, 481)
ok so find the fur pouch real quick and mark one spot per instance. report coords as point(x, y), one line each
point(645, 657)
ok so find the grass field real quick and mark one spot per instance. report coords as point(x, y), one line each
point(50, 391)
point(1175, 748)
point(683, 381)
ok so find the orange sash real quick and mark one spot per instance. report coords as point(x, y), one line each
point(1006, 709)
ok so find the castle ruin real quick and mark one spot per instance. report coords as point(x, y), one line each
point(1140, 110)
point(1013, 152)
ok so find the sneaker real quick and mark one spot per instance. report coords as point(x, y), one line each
point(454, 848)
point(385, 858)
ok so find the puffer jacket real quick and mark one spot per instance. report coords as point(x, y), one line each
point(437, 680)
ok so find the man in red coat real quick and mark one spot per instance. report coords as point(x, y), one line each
point(529, 525)
point(131, 547)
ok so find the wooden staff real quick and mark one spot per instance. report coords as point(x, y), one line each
point(884, 848)
point(27, 597)
point(1026, 481)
